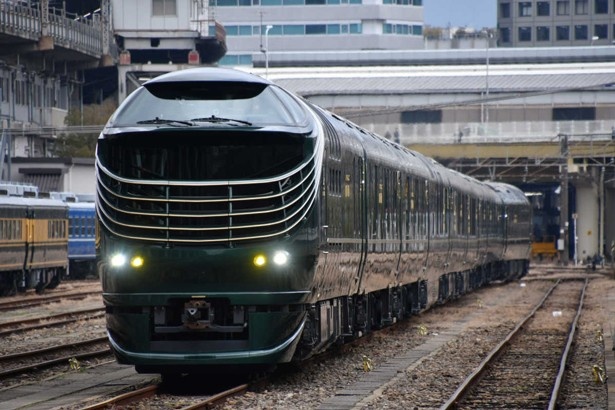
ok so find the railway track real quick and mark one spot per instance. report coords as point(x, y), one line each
point(312, 384)
point(54, 320)
point(45, 299)
point(154, 396)
point(67, 354)
point(526, 369)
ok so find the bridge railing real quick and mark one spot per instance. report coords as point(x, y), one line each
point(500, 132)
point(66, 29)
point(84, 35)
point(20, 20)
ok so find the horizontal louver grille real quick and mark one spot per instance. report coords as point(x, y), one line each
point(219, 212)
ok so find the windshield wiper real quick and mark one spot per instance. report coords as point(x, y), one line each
point(215, 119)
point(158, 120)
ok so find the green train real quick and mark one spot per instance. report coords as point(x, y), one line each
point(241, 227)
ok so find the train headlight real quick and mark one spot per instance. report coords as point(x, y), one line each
point(118, 260)
point(136, 262)
point(259, 261)
point(281, 258)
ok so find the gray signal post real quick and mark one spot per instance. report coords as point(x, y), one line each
point(563, 242)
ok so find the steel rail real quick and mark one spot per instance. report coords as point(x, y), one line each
point(152, 390)
point(19, 304)
point(470, 381)
point(17, 326)
point(53, 362)
point(562, 366)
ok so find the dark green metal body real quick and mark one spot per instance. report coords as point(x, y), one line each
point(273, 298)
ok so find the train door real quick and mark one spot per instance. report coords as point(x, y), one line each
point(360, 211)
point(475, 228)
point(398, 218)
point(502, 212)
point(425, 222)
point(30, 247)
point(447, 214)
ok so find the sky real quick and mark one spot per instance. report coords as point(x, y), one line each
point(460, 13)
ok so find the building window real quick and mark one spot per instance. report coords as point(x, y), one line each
point(525, 34)
point(581, 6)
point(542, 33)
point(601, 31)
point(293, 29)
point(333, 29)
point(563, 7)
point(505, 35)
point(401, 29)
point(315, 29)
point(601, 6)
point(421, 117)
point(574, 114)
point(562, 33)
point(542, 8)
point(402, 2)
point(236, 60)
point(164, 8)
point(580, 32)
point(525, 9)
point(504, 10)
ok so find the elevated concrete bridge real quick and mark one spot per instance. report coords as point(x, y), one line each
point(525, 162)
point(51, 40)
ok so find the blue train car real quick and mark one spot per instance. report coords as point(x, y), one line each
point(81, 238)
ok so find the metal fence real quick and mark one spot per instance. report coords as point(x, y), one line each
point(500, 132)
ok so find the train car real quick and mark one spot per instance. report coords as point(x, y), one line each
point(81, 233)
point(33, 243)
point(242, 227)
point(81, 239)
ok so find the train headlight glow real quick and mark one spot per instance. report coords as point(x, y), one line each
point(281, 258)
point(118, 260)
point(260, 261)
point(136, 262)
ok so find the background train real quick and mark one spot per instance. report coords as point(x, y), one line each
point(81, 234)
point(43, 240)
point(241, 225)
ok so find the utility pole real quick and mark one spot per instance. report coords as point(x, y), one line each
point(563, 242)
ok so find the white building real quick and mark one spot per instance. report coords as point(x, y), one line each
point(257, 26)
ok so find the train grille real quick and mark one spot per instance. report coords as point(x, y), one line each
point(200, 211)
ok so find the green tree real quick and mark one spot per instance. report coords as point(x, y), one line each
point(432, 33)
point(82, 142)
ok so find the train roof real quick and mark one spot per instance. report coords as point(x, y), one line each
point(31, 202)
point(81, 205)
point(509, 193)
point(208, 74)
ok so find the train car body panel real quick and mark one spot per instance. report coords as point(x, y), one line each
point(81, 239)
point(35, 243)
point(13, 219)
point(240, 224)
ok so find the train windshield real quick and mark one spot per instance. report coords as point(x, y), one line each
point(206, 103)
